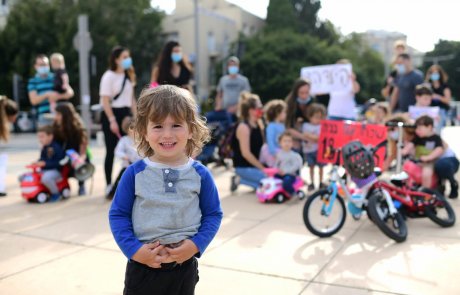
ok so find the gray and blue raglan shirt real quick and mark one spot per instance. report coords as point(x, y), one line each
point(154, 202)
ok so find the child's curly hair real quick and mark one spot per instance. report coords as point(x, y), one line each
point(155, 104)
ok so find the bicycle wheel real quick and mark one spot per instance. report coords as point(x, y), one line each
point(315, 218)
point(440, 211)
point(392, 225)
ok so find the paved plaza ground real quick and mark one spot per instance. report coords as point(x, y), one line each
point(67, 247)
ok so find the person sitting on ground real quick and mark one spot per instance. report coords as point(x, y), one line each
point(288, 162)
point(50, 156)
point(426, 146)
point(126, 151)
point(70, 133)
point(247, 143)
point(275, 113)
point(316, 113)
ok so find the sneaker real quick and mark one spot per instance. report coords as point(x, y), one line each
point(55, 197)
point(235, 180)
point(108, 189)
point(453, 190)
point(311, 187)
point(81, 190)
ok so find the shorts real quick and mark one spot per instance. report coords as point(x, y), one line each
point(311, 159)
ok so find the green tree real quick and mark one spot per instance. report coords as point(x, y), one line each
point(452, 66)
point(52, 27)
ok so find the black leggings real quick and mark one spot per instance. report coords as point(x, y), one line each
point(111, 139)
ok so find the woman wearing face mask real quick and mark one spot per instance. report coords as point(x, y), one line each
point(298, 102)
point(442, 95)
point(247, 142)
point(117, 98)
point(172, 67)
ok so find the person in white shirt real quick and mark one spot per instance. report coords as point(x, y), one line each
point(117, 99)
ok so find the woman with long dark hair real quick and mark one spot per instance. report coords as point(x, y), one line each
point(172, 67)
point(117, 98)
point(70, 133)
point(442, 95)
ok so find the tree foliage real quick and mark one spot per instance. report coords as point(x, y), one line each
point(40, 26)
point(294, 38)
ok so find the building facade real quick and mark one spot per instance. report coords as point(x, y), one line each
point(219, 24)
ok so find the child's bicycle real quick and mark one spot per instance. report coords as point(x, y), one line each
point(324, 212)
point(411, 198)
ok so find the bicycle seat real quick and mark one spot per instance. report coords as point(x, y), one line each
point(399, 179)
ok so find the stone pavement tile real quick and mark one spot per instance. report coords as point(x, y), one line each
point(245, 206)
point(421, 265)
point(91, 271)
point(19, 215)
point(88, 229)
point(19, 253)
point(229, 229)
point(326, 289)
point(278, 249)
point(224, 281)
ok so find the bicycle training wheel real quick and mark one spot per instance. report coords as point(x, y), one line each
point(392, 225)
point(320, 219)
point(439, 211)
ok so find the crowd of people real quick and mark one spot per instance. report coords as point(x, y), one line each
point(158, 137)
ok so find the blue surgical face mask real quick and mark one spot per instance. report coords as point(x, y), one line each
point(435, 76)
point(43, 70)
point(176, 57)
point(401, 69)
point(394, 135)
point(233, 70)
point(126, 63)
point(303, 101)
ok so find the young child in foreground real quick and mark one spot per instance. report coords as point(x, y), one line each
point(288, 162)
point(50, 156)
point(166, 209)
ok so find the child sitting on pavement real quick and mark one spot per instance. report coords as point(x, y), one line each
point(426, 146)
point(275, 113)
point(50, 156)
point(288, 162)
point(316, 113)
point(126, 151)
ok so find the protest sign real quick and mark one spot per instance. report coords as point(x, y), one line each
point(328, 78)
point(335, 134)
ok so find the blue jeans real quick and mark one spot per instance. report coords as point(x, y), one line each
point(250, 176)
point(445, 168)
point(288, 182)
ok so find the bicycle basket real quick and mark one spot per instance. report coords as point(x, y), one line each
point(358, 160)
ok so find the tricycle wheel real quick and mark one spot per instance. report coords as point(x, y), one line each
point(279, 198)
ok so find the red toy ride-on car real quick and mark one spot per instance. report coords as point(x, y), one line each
point(33, 190)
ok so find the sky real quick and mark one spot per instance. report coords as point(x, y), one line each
point(424, 22)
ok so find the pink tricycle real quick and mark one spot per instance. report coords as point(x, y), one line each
point(271, 188)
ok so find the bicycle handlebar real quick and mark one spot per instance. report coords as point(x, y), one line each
point(399, 124)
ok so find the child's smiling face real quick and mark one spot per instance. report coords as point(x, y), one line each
point(168, 140)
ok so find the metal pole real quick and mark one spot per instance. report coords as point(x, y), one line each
point(197, 54)
point(84, 46)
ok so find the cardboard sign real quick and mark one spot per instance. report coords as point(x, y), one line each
point(328, 78)
point(335, 134)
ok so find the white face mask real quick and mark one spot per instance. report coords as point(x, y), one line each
point(394, 135)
